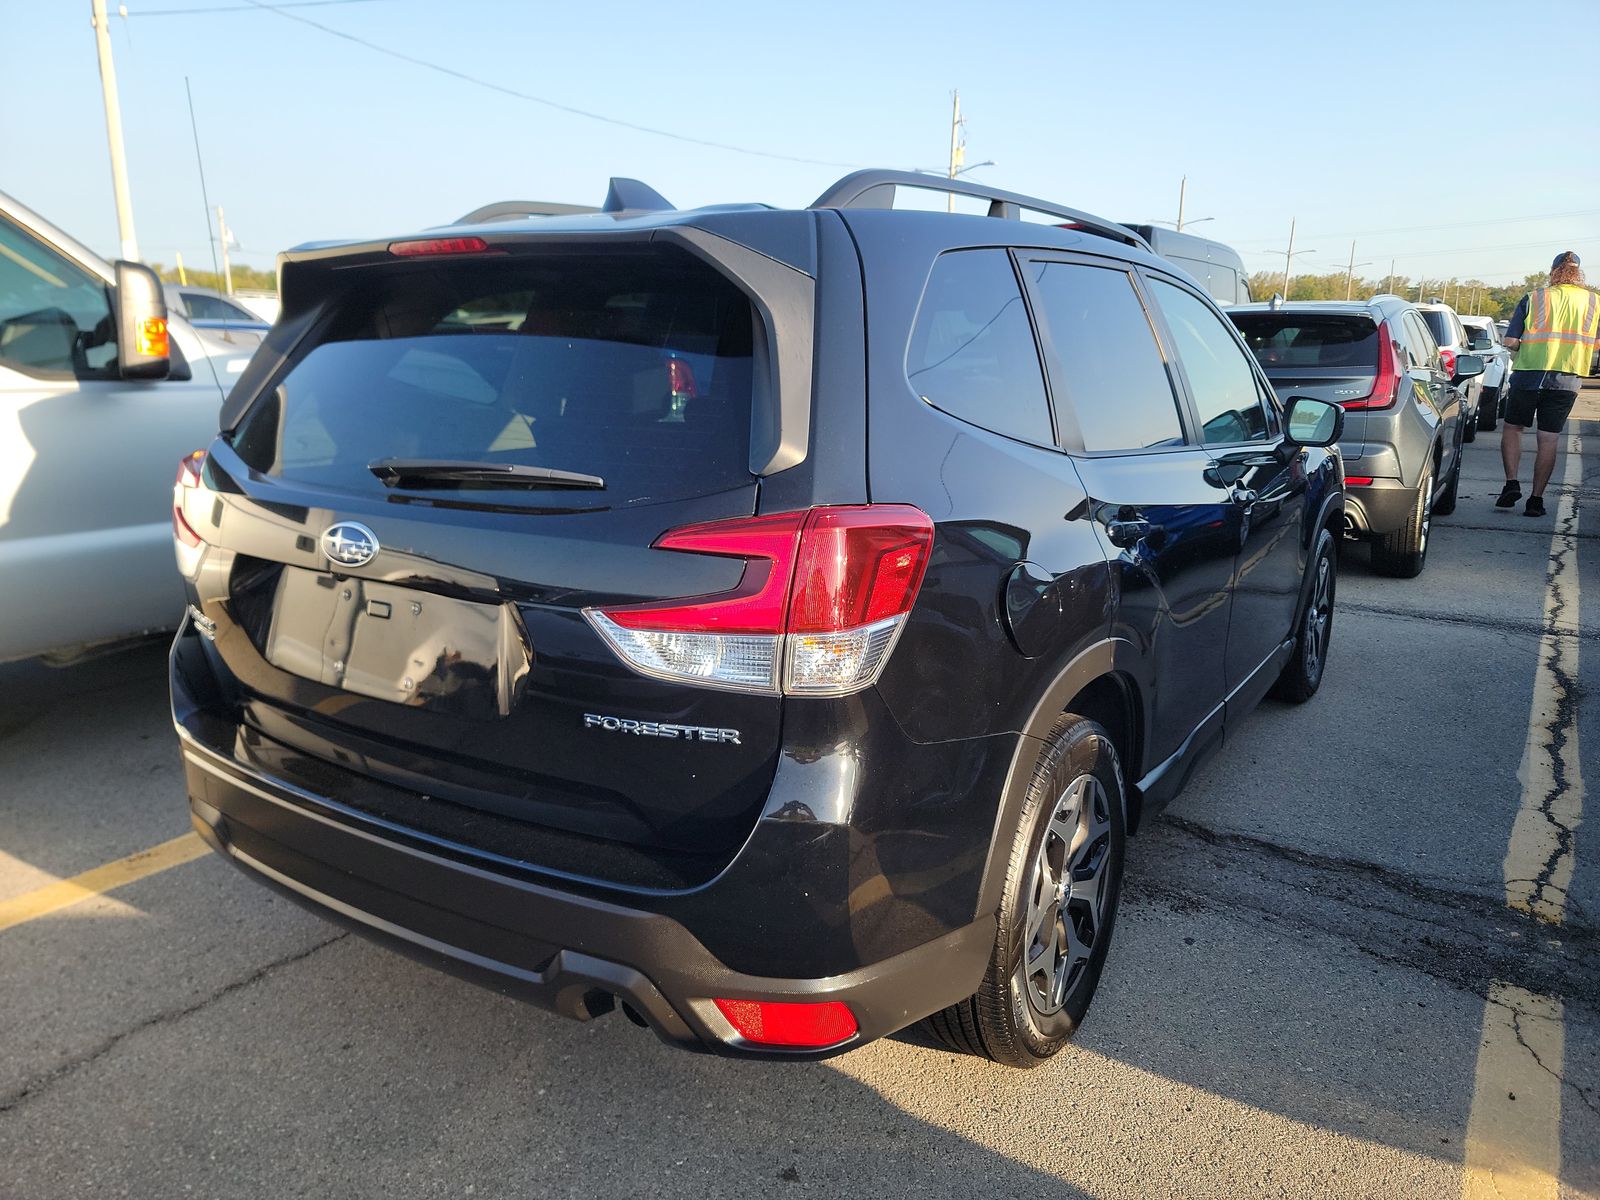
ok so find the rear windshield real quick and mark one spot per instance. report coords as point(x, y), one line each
point(1303, 340)
point(1440, 326)
point(635, 367)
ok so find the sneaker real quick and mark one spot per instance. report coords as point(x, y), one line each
point(1534, 507)
point(1509, 495)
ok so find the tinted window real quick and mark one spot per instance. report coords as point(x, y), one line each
point(55, 317)
point(1423, 349)
point(1220, 376)
point(1284, 339)
point(1111, 371)
point(635, 368)
point(210, 308)
point(972, 349)
point(1440, 325)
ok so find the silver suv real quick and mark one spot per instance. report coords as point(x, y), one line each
point(1404, 416)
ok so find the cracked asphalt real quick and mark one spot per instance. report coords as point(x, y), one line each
point(1312, 941)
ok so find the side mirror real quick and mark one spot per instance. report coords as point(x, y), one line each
point(1310, 422)
point(144, 350)
point(1468, 365)
point(1480, 343)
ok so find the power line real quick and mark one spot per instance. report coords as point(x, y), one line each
point(185, 12)
point(1583, 212)
point(542, 100)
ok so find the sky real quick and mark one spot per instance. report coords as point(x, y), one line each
point(1436, 135)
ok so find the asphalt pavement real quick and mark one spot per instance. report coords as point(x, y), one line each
point(1360, 956)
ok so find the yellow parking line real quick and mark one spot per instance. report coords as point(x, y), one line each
point(1514, 1132)
point(67, 892)
point(1541, 854)
point(1513, 1143)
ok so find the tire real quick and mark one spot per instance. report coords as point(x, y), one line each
point(1302, 674)
point(1489, 409)
point(1445, 503)
point(1404, 552)
point(1073, 813)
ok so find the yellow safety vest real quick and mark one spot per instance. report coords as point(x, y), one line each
point(1561, 330)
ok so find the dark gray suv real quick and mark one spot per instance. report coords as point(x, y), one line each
point(1404, 422)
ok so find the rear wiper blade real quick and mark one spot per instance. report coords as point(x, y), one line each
point(423, 472)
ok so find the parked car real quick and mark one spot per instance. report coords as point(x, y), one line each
point(1215, 266)
point(100, 386)
point(1484, 340)
point(1404, 422)
point(1451, 336)
point(670, 643)
point(211, 310)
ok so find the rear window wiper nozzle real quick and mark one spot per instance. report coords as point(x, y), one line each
point(423, 472)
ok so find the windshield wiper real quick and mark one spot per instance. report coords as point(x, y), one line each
point(428, 472)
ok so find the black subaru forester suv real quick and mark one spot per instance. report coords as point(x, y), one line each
point(771, 621)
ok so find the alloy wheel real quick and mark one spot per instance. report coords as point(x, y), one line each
point(1319, 614)
point(1067, 894)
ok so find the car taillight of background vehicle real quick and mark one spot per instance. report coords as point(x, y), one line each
point(1448, 359)
point(1391, 370)
point(185, 541)
point(822, 600)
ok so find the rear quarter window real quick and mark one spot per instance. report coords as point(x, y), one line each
point(972, 352)
point(635, 367)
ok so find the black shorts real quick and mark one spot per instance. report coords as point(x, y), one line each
point(1549, 406)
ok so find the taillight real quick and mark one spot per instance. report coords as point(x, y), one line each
point(779, 1023)
point(1447, 359)
point(817, 611)
point(680, 379)
point(188, 477)
point(1386, 384)
point(426, 247)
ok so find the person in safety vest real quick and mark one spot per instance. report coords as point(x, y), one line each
point(1554, 331)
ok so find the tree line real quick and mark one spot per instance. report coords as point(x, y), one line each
point(1470, 297)
point(246, 279)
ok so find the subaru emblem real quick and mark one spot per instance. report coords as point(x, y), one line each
point(349, 544)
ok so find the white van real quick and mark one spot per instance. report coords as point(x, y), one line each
point(102, 391)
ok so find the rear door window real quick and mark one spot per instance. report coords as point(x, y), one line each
point(1107, 375)
point(1440, 325)
point(1426, 345)
point(1222, 382)
point(635, 367)
point(973, 353)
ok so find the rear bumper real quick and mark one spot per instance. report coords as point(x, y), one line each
point(1379, 507)
point(562, 948)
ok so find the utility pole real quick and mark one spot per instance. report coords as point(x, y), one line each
point(1350, 272)
point(222, 236)
point(1183, 186)
point(1388, 285)
point(1288, 259)
point(958, 147)
point(119, 163)
point(182, 278)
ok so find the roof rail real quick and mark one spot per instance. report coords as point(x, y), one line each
point(876, 188)
point(510, 210)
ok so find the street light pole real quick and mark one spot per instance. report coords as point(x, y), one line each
point(119, 164)
point(958, 150)
point(1288, 259)
point(1350, 271)
point(1183, 186)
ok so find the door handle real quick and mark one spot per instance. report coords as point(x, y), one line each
point(1128, 533)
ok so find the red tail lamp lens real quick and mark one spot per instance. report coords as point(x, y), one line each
point(1386, 383)
point(680, 378)
point(188, 477)
point(773, 1023)
point(420, 247)
point(858, 565)
point(1357, 480)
